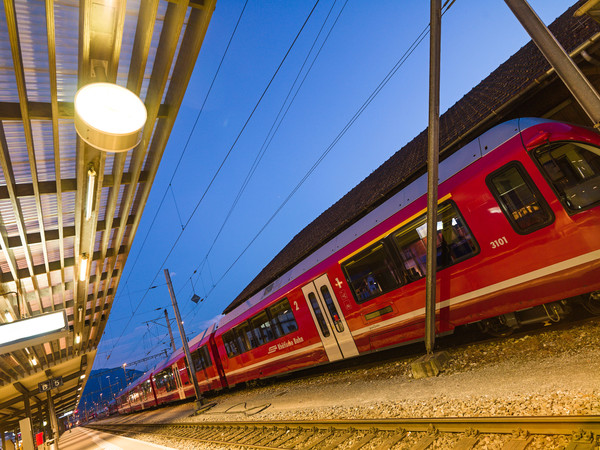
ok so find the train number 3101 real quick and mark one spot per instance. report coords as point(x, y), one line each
point(499, 242)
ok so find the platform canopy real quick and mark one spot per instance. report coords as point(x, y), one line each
point(69, 211)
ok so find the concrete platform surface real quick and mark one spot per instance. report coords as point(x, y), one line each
point(85, 439)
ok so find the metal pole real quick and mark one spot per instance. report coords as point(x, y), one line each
point(53, 420)
point(170, 331)
point(566, 69)
point(432, 170)
point(199, 399)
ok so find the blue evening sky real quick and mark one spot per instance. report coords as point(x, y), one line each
point(369, 38)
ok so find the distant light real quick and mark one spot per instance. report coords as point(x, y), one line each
point(45, 423)
point(109, 117)
point(33, 361)
point(82, 376)
point(77, 338)
point(8, 316)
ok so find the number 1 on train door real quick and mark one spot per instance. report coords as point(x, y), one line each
point(329, 320)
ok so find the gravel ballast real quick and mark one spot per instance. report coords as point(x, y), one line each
point(555, 372)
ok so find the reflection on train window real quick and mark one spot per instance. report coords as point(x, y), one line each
point(454, 242)
point(333, 314)
point(282, 318)
point(261, 330)
point(371, 273)
point(574, 171)
point(519, 199)
point(318, 314)
point(165, 380)
point(201, 358)
point(276, 321)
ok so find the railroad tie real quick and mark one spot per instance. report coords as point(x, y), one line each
point(339, 440)
point(468, 440)
point(278, 433)
point(520, 440)
point(328, 433)
point(366, 438)
point(392, 440)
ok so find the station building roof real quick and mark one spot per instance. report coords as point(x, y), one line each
point(523, 86)
point(48, 50)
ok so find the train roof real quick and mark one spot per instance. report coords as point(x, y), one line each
point(478, 111)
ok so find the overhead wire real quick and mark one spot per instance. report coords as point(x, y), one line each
point(275, 126)
point(219, 168)
point(339, 136)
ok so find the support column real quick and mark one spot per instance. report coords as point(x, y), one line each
point(170, 330)
point(53, 421)
point(433, 146)
point(431, 364)
point(199, 399)
point(566, 69)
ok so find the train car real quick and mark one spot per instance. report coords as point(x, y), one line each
point(517, 241)
point(138, 396)
point(172, 379)
point(169, 380)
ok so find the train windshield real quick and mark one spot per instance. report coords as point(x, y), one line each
point(573, 169)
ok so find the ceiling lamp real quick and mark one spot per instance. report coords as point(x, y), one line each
point(109, 117)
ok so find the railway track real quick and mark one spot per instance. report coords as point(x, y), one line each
point(514, 433)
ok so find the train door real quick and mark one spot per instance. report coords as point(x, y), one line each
point(178, 382)
point(331, 324)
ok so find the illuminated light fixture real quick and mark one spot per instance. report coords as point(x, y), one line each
point(8, 316)
point(24, 333)
point(89, 198)
point(109, 117)
point(82, 376)
point(77, 338)
point(33, 361)
point(83, 267)
point(80, 313)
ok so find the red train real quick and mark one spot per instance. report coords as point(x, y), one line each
point(518, 241)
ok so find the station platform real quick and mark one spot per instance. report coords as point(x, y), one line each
point(85, 439)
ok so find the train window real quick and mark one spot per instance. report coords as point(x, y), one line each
point(521, 202)
point(231, 343)
point(573, 169)
point(454, 242)
point(282, 318)
point(165, 380)
point(333, 313)
point(318, 314)
point(201, 358)
point(261, 329)
point(243, 337)
point(371, 273)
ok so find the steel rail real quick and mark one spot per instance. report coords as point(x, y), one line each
point(282, 434)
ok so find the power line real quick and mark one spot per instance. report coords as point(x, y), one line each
point(355, 117)
point(218, 171)
point(275, 126)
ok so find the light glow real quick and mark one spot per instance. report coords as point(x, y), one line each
point(9, 317)
point(83, 267)
point(18, 333)
point(89, 199)
point(77, 338)
point(109, 117)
